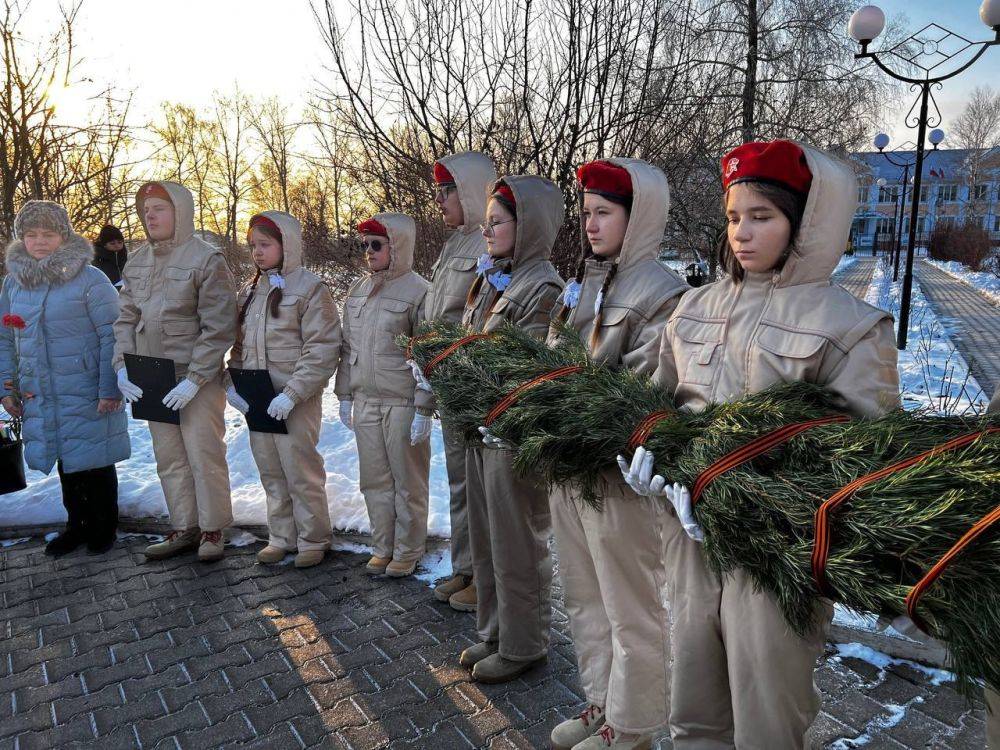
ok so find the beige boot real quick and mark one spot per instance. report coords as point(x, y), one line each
point(464, 600)
point(211, 547)
point(568, 734)
point(443, 591)
point(377, 565)
point(177, 542)
point(607, 737)
point(400, 569)
point(308, 558)
point(477, 653)
point(495, 669)
point(270, 555)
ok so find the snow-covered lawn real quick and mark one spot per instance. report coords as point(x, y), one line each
point(140, 494)
point(986, 282)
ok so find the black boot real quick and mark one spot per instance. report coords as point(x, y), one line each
point(102, 509)
point(73, 499)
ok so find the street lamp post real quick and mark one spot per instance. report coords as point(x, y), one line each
point(881, 141)
point(924, 53)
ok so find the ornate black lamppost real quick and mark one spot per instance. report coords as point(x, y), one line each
point(927, 50)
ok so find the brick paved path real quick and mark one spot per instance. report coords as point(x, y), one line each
point(857, 277)
point(114, 652)
point(973, 320)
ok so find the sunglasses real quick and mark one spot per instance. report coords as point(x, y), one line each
point(372, 245)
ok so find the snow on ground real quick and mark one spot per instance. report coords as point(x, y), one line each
point(140, 494)
point(986, 282)
point(932, 372)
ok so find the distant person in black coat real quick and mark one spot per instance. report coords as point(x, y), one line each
point(110, 254)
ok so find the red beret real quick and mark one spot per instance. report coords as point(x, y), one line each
point(605, 177)
point(779, 162)
point(506, 193)
point(441, 174)
point(261, 220)
point(372, 227)
point(154, 190)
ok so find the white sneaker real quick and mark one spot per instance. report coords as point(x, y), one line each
point(572, 732)
point(606, 737)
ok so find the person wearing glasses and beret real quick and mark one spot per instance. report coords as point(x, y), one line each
point(380, 401)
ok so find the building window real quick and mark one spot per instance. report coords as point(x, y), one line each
point(996, 223)
point(925, 193)
point(887, 193)
point(980, 192)
point(863, 194)
point(945, 221)
point(948, 193)
point(885, 226)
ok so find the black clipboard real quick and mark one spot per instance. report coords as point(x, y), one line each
point(256, 388)
point(156, 377)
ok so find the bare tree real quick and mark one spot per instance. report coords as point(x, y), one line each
point(275, 133)
point(978, 130)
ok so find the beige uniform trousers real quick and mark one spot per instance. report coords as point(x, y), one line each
point(509, 524)
point(611, 566)
point(741, 677)
point(992, 720)
point(454, 456)
point(294, 478)
point(191, 462)
point(394, 479)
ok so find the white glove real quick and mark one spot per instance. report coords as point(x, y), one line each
point(492, 441)
point(280, 407)
point(680, 498)
point(347, 414)
point(130, 391)
point(420, 428)
point(418, 374)
point(181, 395)
point(237, 401)
point(639, 474)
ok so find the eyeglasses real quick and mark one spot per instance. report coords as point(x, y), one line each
point(441, 192)
point(373, 246)
point(487, 229)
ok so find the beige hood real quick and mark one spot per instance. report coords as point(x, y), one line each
point(474, 173)
point(540, 213)
point(402, 239)
point(291, 239)
point(648, 218)
point(826, 220)
point(183, 202)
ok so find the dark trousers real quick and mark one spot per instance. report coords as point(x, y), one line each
point(91, 501)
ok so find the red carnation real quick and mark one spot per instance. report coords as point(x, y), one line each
point(14, 321)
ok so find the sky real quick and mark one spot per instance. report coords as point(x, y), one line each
point(184, 50)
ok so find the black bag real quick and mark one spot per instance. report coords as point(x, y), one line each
point(11, 458)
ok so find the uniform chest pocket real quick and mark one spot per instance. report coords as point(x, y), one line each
point(179, 284)
point(393, 319)
point(696, 348)
point(288, 311)
point(138, 282)
point(786, 354)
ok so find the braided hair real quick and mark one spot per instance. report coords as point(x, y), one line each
point(277, 295)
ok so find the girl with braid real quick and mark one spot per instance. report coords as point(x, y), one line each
point(288, 324)
point(610, 560)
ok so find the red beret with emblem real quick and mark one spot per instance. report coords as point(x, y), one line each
point(604, 178)
point(777, 162)
point(441, 174)
point(370, 226)
point(154, 190)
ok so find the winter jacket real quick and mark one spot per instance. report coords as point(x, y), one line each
point(111, 263)
point(178, 299)
point(64, 356)
point(455, 269)
point(300, 348)
point(733, 338)
point(380, 307)
point(528, 299)
point(643, 293)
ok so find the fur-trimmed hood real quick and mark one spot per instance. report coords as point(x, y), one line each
point(63, 265)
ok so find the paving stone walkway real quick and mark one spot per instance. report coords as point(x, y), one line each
point(857, 277)
point(114, 652)
point(972, 319)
